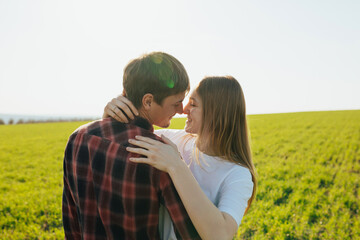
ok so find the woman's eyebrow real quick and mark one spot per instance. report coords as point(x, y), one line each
point(193, 99)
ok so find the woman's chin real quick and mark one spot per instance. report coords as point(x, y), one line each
point(187, 129)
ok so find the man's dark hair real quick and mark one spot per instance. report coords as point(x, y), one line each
point(157, 73)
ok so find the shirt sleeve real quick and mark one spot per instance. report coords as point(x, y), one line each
point(172, 134)
point(176, 209)
point(235, 192)
point(69, 211)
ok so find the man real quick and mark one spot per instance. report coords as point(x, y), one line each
point(105, 195)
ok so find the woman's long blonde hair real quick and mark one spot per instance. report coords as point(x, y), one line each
point(224, 128)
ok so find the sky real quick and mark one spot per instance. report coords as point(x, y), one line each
point(67, 57)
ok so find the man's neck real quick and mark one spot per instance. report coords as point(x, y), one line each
point(142, 122)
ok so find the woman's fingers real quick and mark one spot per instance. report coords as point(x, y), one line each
point(124, 107)
point(140, 143)
point(121, 109)
point(140, 160)
point(157, 154)
point(148, 140)
point(140, 151)
point(129, 104)
point(120, 115)
point(116, 113)
point(107, 111)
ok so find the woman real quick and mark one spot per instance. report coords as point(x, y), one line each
point(214, 173)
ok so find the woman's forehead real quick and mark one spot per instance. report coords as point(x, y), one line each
point(194, 95)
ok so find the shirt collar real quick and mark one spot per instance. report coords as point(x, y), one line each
point(143, 123)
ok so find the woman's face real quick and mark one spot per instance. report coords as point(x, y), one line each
point(194, 114)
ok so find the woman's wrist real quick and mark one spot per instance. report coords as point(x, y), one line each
point(178, 169)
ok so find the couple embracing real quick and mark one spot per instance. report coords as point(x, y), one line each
point(123, 180)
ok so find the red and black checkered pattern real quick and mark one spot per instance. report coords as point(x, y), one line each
point(108, 197)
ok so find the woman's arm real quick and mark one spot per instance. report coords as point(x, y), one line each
point(208, 220)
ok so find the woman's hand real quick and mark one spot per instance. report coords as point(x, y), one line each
point(163, 156)
point(113, 109)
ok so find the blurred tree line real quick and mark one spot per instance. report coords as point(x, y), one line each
point(21, 121)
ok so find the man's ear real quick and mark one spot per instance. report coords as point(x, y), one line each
point(147, 101)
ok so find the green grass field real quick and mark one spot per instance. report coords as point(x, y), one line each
point(308, 169)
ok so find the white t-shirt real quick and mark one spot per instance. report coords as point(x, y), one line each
point(228, 185)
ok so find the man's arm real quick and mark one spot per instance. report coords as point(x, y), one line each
point(69, 212)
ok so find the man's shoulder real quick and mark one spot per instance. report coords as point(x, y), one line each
point(101, 128)
point(112, 130)
point(85, 128)
point(134, 130)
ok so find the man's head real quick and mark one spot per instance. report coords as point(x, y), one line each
point(156, 83)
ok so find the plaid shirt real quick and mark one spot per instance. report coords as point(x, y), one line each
point(108, 197)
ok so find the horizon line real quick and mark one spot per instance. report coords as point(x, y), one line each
point(177, 115)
